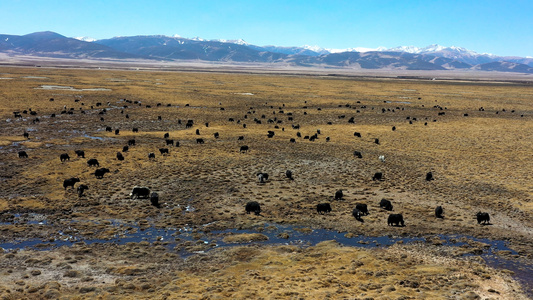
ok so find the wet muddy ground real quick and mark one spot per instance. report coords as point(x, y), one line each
point(200, 243)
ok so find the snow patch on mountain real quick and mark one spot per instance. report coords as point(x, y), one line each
point(238, 42)
point(356, 49)
point(85, 38)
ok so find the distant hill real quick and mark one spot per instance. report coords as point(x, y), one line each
point(175, 48)
point(159, 47)
point(504, 66)
point(50, 44)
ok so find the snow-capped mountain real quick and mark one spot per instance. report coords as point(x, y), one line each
point(177, 48)
point(85, 39)
point(238, 42)
point(435, 48)
point(356, 49)
point(457, 53)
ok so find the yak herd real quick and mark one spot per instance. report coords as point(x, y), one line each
point(137, 192)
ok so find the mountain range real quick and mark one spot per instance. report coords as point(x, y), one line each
point(166, 48)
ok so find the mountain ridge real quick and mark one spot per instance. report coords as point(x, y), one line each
point(176, 48)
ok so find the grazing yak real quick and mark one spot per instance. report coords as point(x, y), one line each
point(338, 195)
point(163, 151)
point(381, 158)
point(358, 154)
point(244, 149)
point(395, 219)
point(80, 153)
point(288, 173)
point(323, 208)
point(139, 192)
point(386, 204)
point(378, 176)
point(253, 206)
point(200, 141)
point(356, 214)
point(483, 217)
point(292, 140)
point(120, 156)
point(439, 211)
point(216, 135)
point(262, 177)
point(151, 155)
point(23, 154)
point(166, 135)
point(169, 142)
point(131, 142)
point(363, 208)
point(64, 157)
point(125, 149)
point(429, 176)
point(70, 182)
point(81, 189)
point(357, 134)
point(99, 173)
point(93, 162)
point(117, 131)
point(154, 199)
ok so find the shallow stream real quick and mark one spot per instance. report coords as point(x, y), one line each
point(174, 238)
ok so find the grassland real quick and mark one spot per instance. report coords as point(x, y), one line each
point(479, 152)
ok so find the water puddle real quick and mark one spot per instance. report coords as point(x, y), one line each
point(98, 138)
point(68, 88)
point(402, 102)
point(30, 219)
point(177, 239)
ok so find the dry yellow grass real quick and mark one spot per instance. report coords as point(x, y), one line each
point(324, 271)
point(481, 162)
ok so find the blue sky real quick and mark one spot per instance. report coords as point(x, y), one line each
point(485, 26)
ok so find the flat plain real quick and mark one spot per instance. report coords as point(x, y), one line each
point(473, 136)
